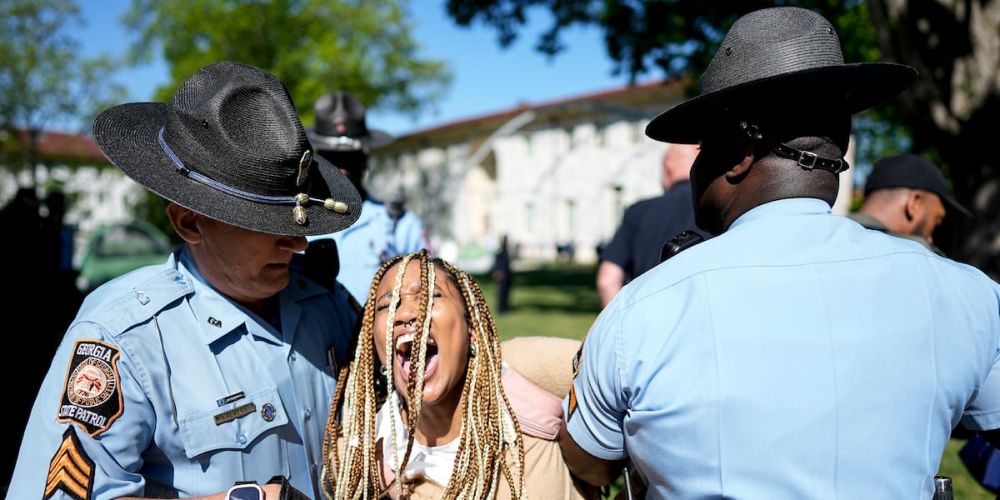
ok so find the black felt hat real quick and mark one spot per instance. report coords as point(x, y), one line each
point(779, 61)
point(230, 146)
point(913, 172)
point(341, 125)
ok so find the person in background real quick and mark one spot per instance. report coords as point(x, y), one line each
point(341, 135)
point(502, 275)
point(24, 269)
point(217, 366)
point(648, 224)
point(796, 354)
point(907, 196)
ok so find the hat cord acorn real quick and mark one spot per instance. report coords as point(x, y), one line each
point(805, 159)
point(299, 201)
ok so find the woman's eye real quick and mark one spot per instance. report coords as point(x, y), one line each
point(381, 307)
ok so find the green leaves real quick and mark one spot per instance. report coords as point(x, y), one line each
point(43, 79)
point(313, 46)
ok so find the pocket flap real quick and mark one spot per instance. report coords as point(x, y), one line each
point(234, 426)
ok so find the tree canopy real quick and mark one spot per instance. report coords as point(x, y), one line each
point(313, 46)
point(44, 82)
point(949, 114)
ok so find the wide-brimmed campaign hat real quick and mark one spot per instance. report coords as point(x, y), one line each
point(783, 61)
point(913, 172)
point(341, 125)
point(230, 146)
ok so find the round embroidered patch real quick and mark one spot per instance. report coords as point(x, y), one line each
point(92, 393)
point(92, 382)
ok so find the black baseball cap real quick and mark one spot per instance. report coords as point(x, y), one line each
point(914, 172)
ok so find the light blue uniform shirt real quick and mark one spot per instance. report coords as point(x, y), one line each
point(371, 241)
point(182, 347)
point(798, 355)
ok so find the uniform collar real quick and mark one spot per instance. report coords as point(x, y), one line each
point(219, 315)
point(782, 208)
point(868, 221)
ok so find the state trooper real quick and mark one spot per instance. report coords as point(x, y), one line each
point(341, 135)
point(797, 354)
point(218, 365)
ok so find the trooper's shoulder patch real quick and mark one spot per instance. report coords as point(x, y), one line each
point(92, 394)
point(70, 470)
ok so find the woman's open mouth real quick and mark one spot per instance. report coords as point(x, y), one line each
point(406, 354)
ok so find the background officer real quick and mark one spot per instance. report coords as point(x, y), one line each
point(906, 195)
point(648, 224)
point(342, 136)
point(796, 354)
point(217, 366)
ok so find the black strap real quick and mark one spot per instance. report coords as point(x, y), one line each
point(805, 159)
point(809, 160)
point(287, 491)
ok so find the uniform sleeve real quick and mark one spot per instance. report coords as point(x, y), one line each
point(619, 249)
point(596, 405)
point(88, 444)
point(410, 233)
point(983, 412)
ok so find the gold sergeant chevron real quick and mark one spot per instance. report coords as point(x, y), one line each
point(70, 470)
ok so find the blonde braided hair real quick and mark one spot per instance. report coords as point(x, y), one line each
point(490, 442)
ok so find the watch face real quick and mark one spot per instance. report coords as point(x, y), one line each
point(245, 492)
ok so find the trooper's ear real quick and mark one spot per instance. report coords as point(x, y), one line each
point(914, 207)
point(184, 222)
point(740, 170)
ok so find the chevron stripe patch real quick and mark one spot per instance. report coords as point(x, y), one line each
point(70, 470)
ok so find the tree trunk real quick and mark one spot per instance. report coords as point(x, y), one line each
point(954, 106)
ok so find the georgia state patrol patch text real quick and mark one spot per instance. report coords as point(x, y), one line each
point(92, 396)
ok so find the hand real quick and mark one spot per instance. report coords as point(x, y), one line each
point(271, 491)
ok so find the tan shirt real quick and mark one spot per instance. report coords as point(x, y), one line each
point(546, 476)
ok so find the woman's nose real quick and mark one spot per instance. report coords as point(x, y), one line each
point(406, 312)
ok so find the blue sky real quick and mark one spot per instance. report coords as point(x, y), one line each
point(486, 78)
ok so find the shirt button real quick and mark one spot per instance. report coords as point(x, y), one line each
point(307, 413)
point(242, 438)
point(293, 356)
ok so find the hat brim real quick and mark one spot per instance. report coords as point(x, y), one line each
point(375, 139)
point(850, 87)
point(953, 203)
point(127, 134)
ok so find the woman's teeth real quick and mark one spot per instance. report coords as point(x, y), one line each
point(405, 338)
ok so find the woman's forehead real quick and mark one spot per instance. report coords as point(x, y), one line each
point(411, 278)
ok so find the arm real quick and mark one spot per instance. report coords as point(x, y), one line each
point(591, 437)
point(610, 278)
point(583, 465)
point(615, 258)
point(91, 444)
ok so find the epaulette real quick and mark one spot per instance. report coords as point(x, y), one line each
point(135, 298)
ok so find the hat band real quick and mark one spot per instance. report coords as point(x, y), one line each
point(298, 201)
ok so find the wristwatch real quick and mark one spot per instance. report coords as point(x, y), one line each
point(245, 491)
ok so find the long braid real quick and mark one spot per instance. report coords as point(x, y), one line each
point(490, 442)
point(356, 477)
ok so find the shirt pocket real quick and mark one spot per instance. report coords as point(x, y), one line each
point(203, 432)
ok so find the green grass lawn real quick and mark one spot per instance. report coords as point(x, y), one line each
point(562, 302)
